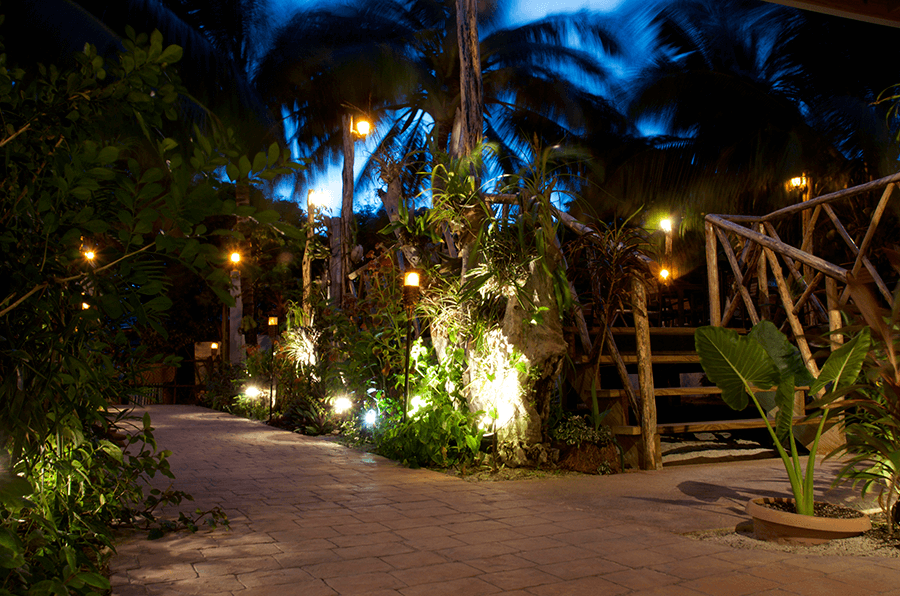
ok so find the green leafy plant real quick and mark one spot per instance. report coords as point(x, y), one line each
point(97, 160)
point(745, 366)
point(440, 429)
point(574, 430)
point(871, 409)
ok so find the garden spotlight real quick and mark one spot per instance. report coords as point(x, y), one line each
point(252, 391)
point(342, 404)
point(235, 257)
point(370, 418)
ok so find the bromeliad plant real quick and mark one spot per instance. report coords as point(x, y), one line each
point(748, 367)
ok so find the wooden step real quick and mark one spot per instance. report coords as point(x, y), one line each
point(655, 358)
point(662, 391)
point(673, 428)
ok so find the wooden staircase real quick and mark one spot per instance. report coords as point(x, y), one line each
point(681, 405)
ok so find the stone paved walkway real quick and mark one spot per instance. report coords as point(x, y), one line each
point(312, 518)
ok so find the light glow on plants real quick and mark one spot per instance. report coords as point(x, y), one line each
point(342, 404)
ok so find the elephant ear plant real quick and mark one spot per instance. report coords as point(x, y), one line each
point(749, 367)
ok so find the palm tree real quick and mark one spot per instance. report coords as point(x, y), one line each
point(744, 104)
point(398, 60)
point(219, 40)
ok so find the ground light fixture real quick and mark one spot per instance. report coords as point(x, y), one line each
point(410, 297)
point(252, 391)
point(370, 418)
point(235, 257)
point(342, 405)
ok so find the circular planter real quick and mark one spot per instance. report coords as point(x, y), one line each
point(774, 525)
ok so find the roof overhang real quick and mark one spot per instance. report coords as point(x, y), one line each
point(881, 12)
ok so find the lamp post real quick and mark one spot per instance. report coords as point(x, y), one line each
point(231, 316)
point(410, 297)
point(351, 132)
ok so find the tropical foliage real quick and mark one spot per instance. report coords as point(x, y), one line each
point(98, 203)
point(764, 368)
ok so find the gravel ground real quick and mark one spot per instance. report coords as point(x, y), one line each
point(874, 543)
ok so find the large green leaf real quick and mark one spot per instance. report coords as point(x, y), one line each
point(736, 364)
point(786, 356)
point(844, 364)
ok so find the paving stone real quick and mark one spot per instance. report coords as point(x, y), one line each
point(467, 586)
point(312, 518)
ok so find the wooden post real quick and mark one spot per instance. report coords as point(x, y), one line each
point(834, 315)
point(469, 73)
point(334, 266)
point(651, 459)
point(712, 273)
point(788, 303)
point(307, 257)
point(343, 263)
point(738, 277)
point(762, 282)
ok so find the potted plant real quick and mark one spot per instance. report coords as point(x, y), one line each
point(763, 367)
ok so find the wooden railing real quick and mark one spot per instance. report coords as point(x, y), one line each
point(754, 250)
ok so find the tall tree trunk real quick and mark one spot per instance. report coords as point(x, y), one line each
point(469, 74)
point(346, 212)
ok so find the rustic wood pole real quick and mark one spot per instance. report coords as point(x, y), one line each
point(307, 257)
point(469, 73)
point(842, 231)
point(738, 277)
point(346, 228)
point(870, 233)
point(834, 315)
point(788, 303)
point(712, 273)
point(651, 459)
point(762, 282)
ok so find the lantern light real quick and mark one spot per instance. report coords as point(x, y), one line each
point(89, 255)
point(273, 321)
point(666, 225)
point(252, 391)
point(362, 128)
point(214, 346)
point(797, 182)
point(235, 257)
point(411, 279)
point(664, 274)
